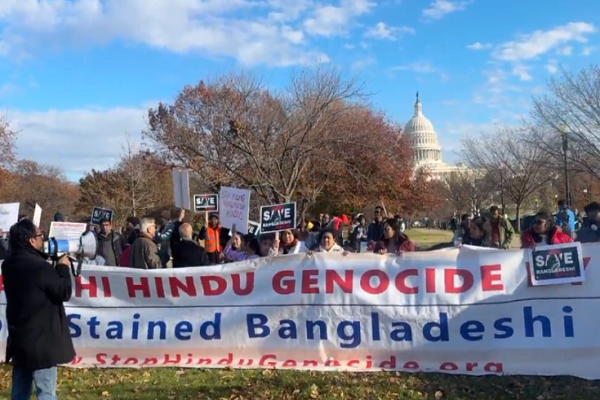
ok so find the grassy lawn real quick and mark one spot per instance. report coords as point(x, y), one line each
point(172, 383)
point(426, 238)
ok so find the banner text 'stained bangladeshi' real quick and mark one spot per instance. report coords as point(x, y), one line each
point(462, 311)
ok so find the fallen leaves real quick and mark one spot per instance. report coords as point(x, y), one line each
point(270, 384)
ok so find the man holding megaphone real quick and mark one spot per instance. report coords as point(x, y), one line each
point(38, 332)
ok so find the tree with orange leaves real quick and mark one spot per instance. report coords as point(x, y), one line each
point(316, 140)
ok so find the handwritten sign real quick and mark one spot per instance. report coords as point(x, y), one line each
point(9, 215)
point(234, 208)
point(278, 217)
point(206, 202)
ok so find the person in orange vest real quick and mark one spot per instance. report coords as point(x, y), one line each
point(211, 234)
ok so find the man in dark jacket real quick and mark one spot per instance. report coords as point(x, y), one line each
point(38, 331)
point(109, 244)
point(188, 253)
point(590, 232)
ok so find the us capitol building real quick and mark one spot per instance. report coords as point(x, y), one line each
point(427, 150)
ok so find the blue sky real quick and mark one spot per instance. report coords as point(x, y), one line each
point(76, 76)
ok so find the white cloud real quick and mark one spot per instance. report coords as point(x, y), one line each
point(588, 50)
point(440, 8)
point(329, 21)
point(479, 46)
point(77, 140)
point(252, 32)
point(552, 66)
point(420, 68)
point(566, 51)
point(522, 72)
point(531, 46)
point(383, 31)
point(363, 63)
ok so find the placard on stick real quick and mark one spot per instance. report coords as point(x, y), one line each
point(206, 202)
point(100, 213)
point(277, 217)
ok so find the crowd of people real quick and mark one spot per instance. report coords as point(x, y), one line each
point(170, 242)
point(35, 292)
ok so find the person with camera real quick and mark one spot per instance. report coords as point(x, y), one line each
point(38, 331)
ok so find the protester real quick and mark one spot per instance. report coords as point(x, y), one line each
point(242, 247)
point(394, 241)
point(543, 232)
point(590, 232)
point(265, 242)
point(38, 330)
point(565, 218)
point(125, 257)
point(109, 243)
point(375, 228)
point(212, 234)
point(327, 243)
point(289, 243)
point(188, 253)
point(233, 249)
point(480, 233)
point(502, 231)
point(144, 252)
point(359, 233)
point(461, 234)
point(130, 227)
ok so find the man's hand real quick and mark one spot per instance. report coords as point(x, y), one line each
point(64, 259)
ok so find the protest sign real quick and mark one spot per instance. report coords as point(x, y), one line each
point(253, 228)
point(461, 311)
point(99, 213)
point(277, 217)
point(234, 208)
point(9, 215)
point(37, 215)
point(181, 189)
point(556, 264)
point(66, 230)
point(206, 202)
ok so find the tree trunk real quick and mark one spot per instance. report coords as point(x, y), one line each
point(518, 216)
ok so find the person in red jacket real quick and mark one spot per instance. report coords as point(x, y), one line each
point(543, 232)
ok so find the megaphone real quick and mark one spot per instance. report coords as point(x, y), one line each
point(76, 249)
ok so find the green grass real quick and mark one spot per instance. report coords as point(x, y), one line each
point(184, 384)
point(426, 238)
point(171, 383)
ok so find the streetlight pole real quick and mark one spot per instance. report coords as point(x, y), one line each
point(565, 145)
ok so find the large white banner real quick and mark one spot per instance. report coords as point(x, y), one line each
point(469, 312)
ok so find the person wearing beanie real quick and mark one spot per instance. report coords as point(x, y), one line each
point(590, 232)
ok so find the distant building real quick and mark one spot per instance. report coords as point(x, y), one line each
point(427, 150)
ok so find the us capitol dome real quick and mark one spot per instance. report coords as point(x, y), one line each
point(427, 150)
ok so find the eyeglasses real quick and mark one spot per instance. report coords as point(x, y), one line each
point(38, 235)
point(540, 222)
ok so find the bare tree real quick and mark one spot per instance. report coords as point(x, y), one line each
point(519, 168)
point(571, 108)
point(469, 190)
point(236, 132)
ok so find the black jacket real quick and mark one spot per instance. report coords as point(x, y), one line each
point(188, 254)
point(38, 330)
